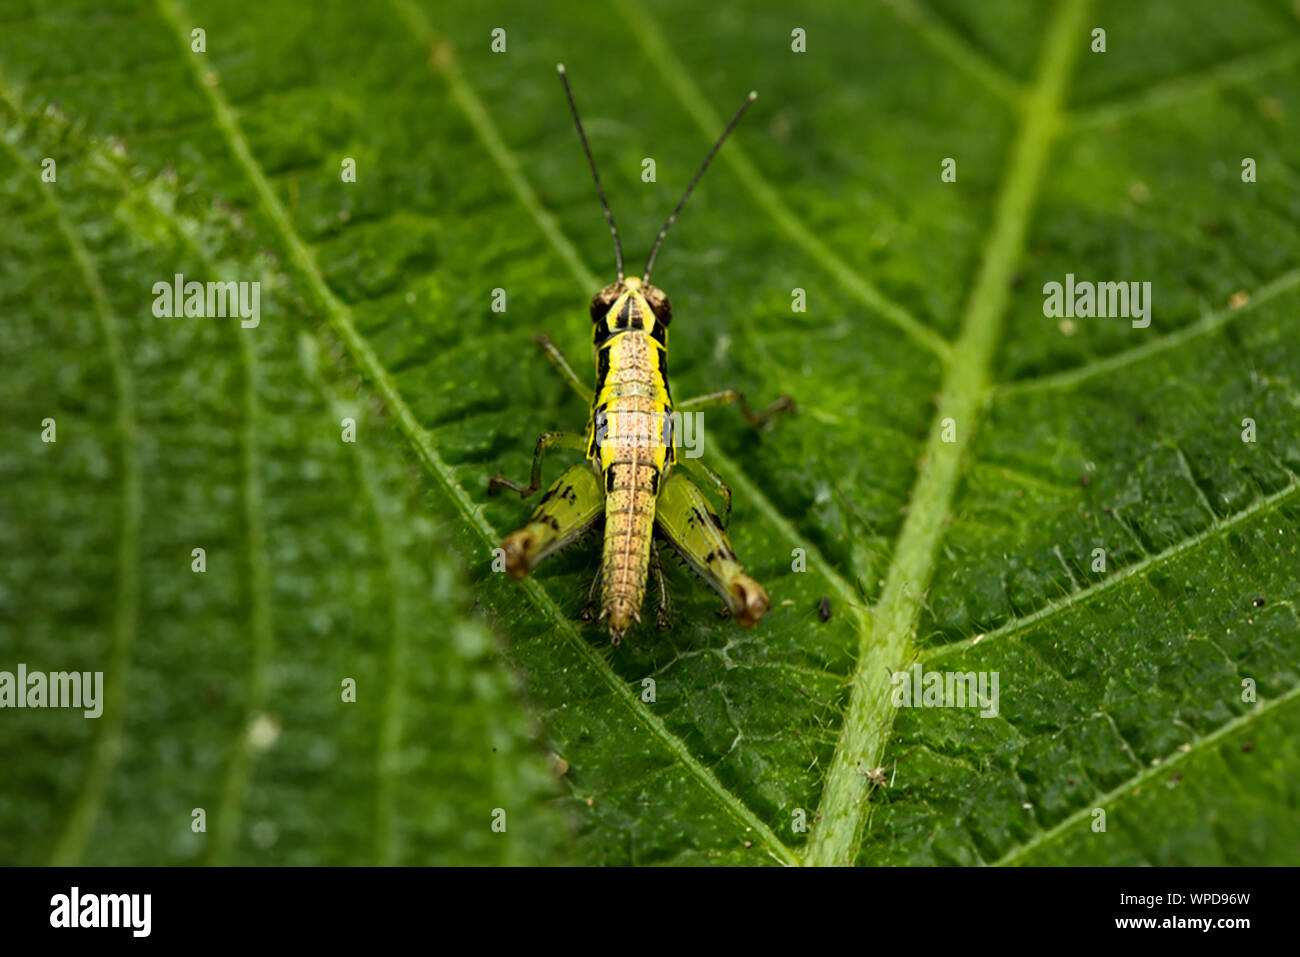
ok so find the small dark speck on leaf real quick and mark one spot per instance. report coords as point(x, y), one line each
point(824, 608)
point(1085, 481)
point(1259, 601)
point(1017, 280)
point(1248, 746)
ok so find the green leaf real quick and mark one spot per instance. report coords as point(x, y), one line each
point(320, 687)
point(959, 455)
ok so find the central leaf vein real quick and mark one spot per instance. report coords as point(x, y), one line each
point(870, 716)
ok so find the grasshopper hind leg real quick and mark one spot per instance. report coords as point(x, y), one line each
point(706, 474)
point(686, 522)
point(571, 507)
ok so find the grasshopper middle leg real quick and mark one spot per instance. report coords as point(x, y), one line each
point(782, 405)
point(664, 619)
point(564, 440)
point(592, 605)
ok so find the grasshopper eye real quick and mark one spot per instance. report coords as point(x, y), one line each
point(601, 302)
point(659, 304)
point(663, 309)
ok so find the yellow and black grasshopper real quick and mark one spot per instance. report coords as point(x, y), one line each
point(627, 478)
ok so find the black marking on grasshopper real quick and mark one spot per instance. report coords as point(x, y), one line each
point(707, 518)
point(670, 449)
point(567, 493)
point(629, 317)
point(598, 415)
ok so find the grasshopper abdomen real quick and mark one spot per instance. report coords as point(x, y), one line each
point(631, 437)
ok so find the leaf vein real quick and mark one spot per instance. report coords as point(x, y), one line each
point(1052, 609)
point(1130, 784)
point(645, 32)
point(1163, 93)
point(866, 727)
point(239, 772)
point(956, 49)
point(1206, 324)
point(72, 841)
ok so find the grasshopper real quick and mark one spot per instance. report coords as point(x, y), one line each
point(626, 478)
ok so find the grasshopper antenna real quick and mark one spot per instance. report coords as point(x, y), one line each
point(618, 245)
point(686, 195)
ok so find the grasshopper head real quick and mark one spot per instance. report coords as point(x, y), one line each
point(630, 304)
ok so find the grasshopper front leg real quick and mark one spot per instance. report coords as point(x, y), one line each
point(573, 504)
point(685, 521)
point(563, 366)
